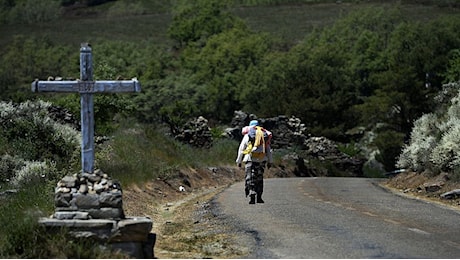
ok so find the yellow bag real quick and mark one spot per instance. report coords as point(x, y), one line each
point(256, 145)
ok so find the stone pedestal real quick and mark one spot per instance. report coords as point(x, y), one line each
point(89, 205)
point(131, 235)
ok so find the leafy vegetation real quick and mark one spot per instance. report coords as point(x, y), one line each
point(137, 153)
point(372, 65)
point(29, 132)
point(140, 153)
point(434, 143)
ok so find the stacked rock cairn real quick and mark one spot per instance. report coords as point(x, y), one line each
point(90, 206)
point(88, 196)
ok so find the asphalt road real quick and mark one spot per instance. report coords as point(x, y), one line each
point(340, 218)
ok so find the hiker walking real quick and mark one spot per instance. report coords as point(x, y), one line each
point(255, 152)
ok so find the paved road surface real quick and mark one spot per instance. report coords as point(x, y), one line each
point(341, 218)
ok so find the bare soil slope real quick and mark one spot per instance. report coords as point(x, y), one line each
point(424, 186)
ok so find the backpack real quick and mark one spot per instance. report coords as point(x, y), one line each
point(259, 142)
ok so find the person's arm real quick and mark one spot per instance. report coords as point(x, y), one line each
point(241, 148)
point(268, 149)
point(269, 154)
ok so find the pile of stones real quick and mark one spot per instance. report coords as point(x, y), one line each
point(64, 116)
point(196, 132)
point(90, 206)
point(287, 131)
point(324, 149)
point(88, 196)
point(290, 132)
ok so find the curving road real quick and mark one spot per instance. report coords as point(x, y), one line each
point(340, 218)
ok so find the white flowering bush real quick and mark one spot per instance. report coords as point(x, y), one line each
point(34, 172)
point(30, 135)
point(33, 135)
point(435, 138)
point(423, 139)
point(446, 155)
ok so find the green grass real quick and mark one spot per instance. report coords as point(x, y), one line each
point(143, 152)
point(141, 29)
point(293, 22)
point(136, 154)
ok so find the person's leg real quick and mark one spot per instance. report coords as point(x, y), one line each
point(259, 182)
point(250, 182)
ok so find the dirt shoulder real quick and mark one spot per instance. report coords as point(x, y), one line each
point(185, 222)
point(425, 187)
point(188, 225)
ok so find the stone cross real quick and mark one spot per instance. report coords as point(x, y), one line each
point(86, 86)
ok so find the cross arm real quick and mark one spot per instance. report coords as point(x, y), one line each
point(78, 86)
point(113, 86)
point(55, 86)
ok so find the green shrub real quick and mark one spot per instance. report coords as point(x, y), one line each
point(144, 152)
point(34, 147)
point(9, 165)
point(349, 149)
point(453, 69)
point(199, 20)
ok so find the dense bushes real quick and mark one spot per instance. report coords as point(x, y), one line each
point(198, 20)
point(435, 139)
point(33, 146)
point(26, 59)
point(370, 67)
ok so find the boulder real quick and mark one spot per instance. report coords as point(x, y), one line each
point(453, 194)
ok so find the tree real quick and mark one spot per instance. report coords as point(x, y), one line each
point(199, 20)
point(27, 59)
point(223, 66)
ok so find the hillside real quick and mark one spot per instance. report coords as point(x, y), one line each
point(290, 22)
